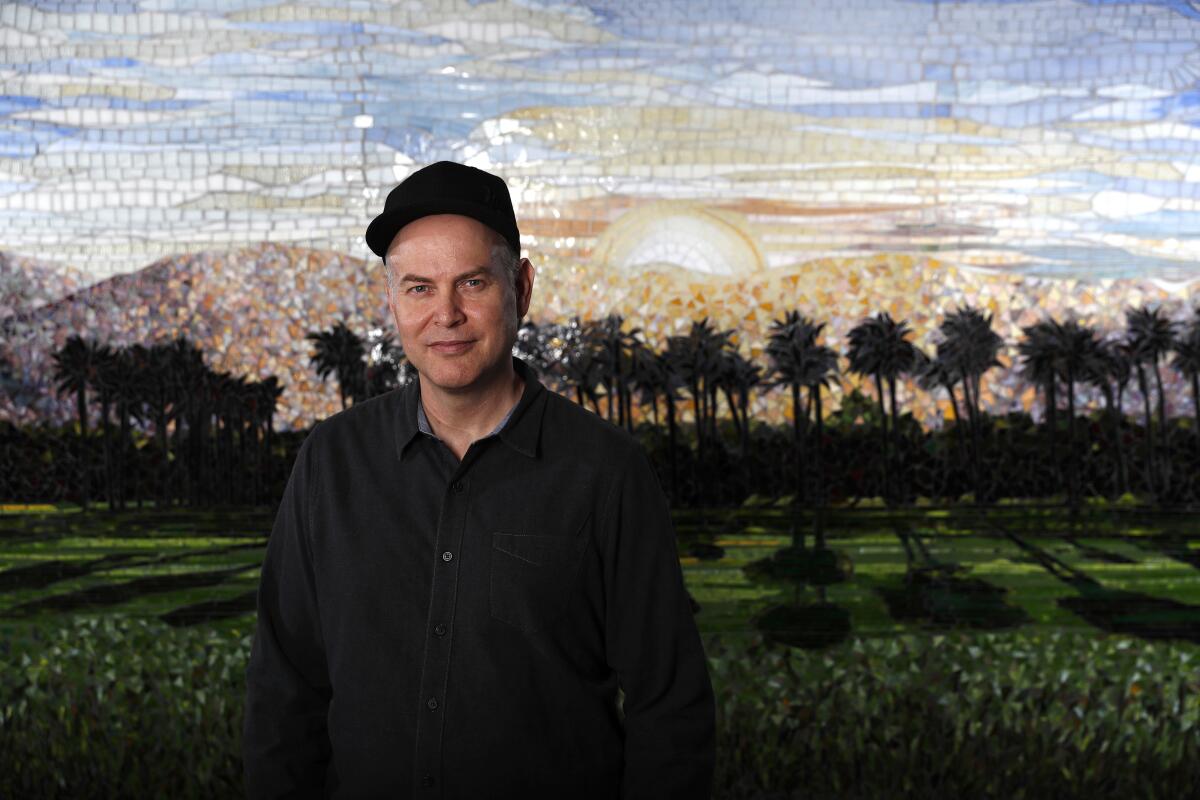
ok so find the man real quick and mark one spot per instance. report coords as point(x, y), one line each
point(463, 571)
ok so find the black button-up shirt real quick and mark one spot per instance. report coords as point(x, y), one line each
point(430, 628)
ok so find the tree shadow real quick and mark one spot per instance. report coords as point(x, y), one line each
point(45, 573)
point(1171, 545)
point(212, 610)
point(936, 597)
point(115, 593)
point(1116, 610)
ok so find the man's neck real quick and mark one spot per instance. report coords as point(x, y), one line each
point(468, 416)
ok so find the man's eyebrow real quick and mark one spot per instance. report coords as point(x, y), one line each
point(411, 278)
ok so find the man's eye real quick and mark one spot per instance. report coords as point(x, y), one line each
point(473, 280)
point(413, 289)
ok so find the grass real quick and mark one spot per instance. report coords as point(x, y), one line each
point(1120, 549)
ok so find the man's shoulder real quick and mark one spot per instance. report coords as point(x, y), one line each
point(580, 431)
point(364, 417)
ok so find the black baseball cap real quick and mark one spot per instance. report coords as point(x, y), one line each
point(446, 188)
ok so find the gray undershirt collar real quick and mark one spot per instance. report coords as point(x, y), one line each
point(423, 421)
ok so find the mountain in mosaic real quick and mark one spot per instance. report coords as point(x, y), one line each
point(250, 309)
point(247, 309)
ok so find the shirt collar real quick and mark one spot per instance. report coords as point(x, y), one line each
point(520, 429)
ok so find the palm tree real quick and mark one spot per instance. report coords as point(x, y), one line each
point(535, 345)
point(643, 379)
point(1152, 336)
point(1039, 354)
point(189, 367)
point(340, 351)
point(878, 347)
point(1103, 363)
point(737, 376)
point(695, 357)
point(1074, 344)
point(612, 342)
point(932, 373)
point(161, 393)
point(968, 349)
point(387, 366)
point(1187, 362)
point(663, 376)
point(107, 379)
point(269, 392)
point(799, 362)
point(789, 344)
point(131, 406)
point(579, 361)
point(75, 366)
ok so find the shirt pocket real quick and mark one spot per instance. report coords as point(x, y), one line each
point(531, 577)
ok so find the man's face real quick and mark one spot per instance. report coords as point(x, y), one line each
point(447, 290)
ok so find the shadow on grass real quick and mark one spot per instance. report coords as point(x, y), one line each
point(211, 610)
point(1116, 610)
point(114, 593)
point(42, 574)
point(936, 597)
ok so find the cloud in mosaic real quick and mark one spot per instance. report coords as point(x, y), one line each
point(1042, 138)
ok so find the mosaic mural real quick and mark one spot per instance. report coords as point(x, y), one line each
point(209, 169)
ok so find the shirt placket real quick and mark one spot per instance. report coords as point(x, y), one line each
point(436, 667)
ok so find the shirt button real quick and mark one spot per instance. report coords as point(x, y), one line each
point(432, 703)
point(457, 486)
point(427, 780)
point(446, 556)
point(440, 629)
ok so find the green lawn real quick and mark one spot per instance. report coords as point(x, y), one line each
point(205, 565)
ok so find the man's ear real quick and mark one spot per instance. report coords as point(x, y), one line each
point(524, 287)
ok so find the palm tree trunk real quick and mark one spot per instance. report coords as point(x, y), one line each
point(1164, 431)
point(898, 473)
point(883, 424)
point(1118, 425)
point(83, 456)
point(119, 469)
point(733, 412)
point(1072, 461)
point(1052, 420)
point(712, 412)
point(242, 430)
point(105, 406)
point(671, 443)
point(1151, 477)
point(1196, 404)
point(745, 398)
point(798, 456)
point(180, 469)
point(160, 435)
point(814, 391)
point(1114, 428)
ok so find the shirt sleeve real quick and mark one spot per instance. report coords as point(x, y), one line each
point(653, 644)
point(285, 738)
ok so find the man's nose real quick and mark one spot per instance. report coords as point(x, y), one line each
point(449, 309)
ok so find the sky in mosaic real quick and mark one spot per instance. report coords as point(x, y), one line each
point(1045, 138)
point(210, 168)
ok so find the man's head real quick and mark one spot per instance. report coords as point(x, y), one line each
point(449, 244)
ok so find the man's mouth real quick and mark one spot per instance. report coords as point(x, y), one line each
point(452, 346)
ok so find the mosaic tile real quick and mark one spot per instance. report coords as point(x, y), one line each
point(212, 167)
